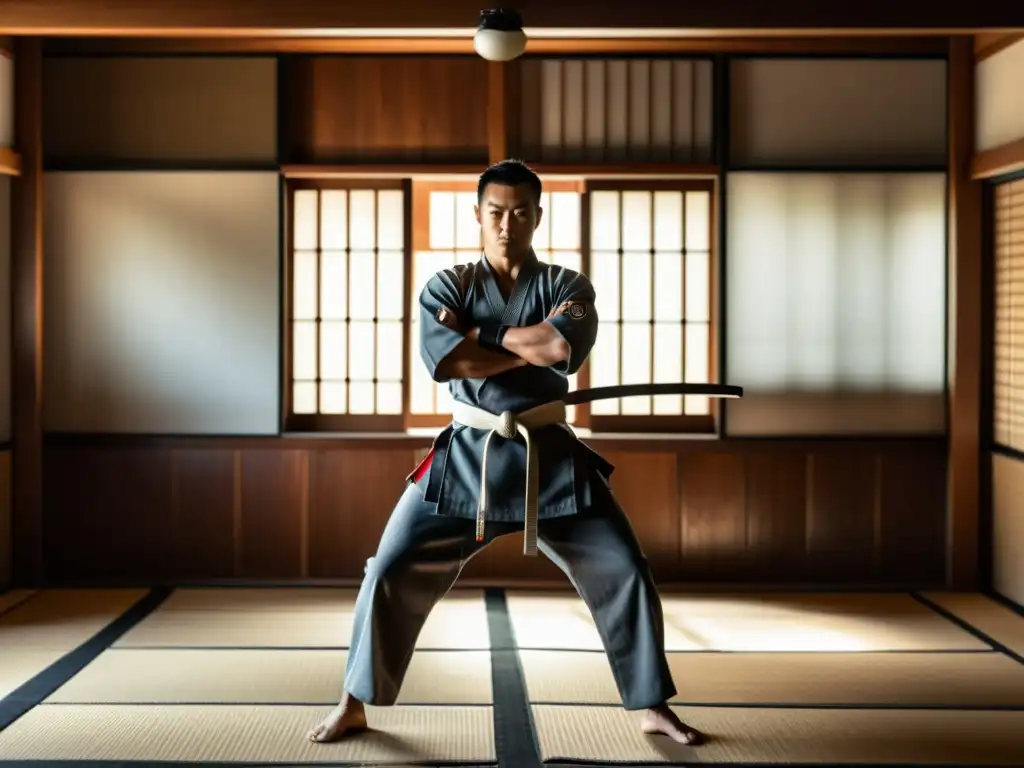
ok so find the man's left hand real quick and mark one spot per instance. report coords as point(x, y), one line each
point(560, 309)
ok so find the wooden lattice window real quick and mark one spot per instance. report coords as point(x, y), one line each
point(1008, 352)
point(360, 250)
point(651, 261)
point(346, 278)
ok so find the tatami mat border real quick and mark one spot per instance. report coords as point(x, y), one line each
point(967, 627)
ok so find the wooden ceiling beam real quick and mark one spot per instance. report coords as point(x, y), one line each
point(85, 46)
point(272, 17)
point(547, 170)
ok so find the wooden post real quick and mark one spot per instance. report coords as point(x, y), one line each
point(965, 363)
point(27, 316)
point(497, 128)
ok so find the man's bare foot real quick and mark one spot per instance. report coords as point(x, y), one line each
point(348, 717)
point(662, 720)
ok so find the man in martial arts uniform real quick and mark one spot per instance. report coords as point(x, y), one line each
point(505, 332)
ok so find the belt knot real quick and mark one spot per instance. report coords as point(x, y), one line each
point(508, 426)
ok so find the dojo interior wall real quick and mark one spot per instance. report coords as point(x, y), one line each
point(162, 304)
point(1000, 122)
point(835, 280)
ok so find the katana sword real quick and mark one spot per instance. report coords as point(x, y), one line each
point(646, 390)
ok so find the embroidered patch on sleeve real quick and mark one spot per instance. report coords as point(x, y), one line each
point(577, 310)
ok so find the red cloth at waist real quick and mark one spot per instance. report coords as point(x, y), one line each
point(422, 468)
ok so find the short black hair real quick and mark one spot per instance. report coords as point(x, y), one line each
point(510, 173)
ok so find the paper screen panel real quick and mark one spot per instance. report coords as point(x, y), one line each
point(836, 289)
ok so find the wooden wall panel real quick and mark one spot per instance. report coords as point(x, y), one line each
point(713, 528)
point(842, 512)
point(817, 113)
point(840, 523)
point(269, 514)
point(108, 516)
point(419, 109)
point(148, 110)
point(647, 487)
point(351, 495)
point(911, 542)
point(775, 501)
point(202, 514)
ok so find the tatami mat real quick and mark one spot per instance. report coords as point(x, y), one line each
point(780, 623)
point(10, 599)
point(246, 733)
point(265, 676)
point(302, 618)
point(747, 735)
point(240, 675)
point(61, 619)
point(18, 667)
point(39, 629)
point(877, 679)
point(997, 621)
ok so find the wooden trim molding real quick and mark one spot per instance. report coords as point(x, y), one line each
point(545, 46)
point(644, 171)
point(271, 17)
point(988, 44)
point(965, 390)
point(998, 161)
point(641, 170)
point(375, 171)
point(401, 441)
point(10, 162)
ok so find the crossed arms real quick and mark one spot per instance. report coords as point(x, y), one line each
point(539, 345)
point(452, 350)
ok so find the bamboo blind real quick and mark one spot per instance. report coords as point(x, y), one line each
point(1008, 353)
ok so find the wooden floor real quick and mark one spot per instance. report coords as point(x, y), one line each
point(511, 678)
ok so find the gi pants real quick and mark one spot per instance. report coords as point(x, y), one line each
point(421, 554)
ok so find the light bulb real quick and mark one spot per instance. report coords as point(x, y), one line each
point(499, 35)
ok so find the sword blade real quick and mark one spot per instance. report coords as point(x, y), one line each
point(640, 390)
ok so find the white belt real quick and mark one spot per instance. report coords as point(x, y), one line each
point(508, 425)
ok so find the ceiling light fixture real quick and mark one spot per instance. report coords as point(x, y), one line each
point(499, 35)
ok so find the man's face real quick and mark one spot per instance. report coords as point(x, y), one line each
point(508, 217)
